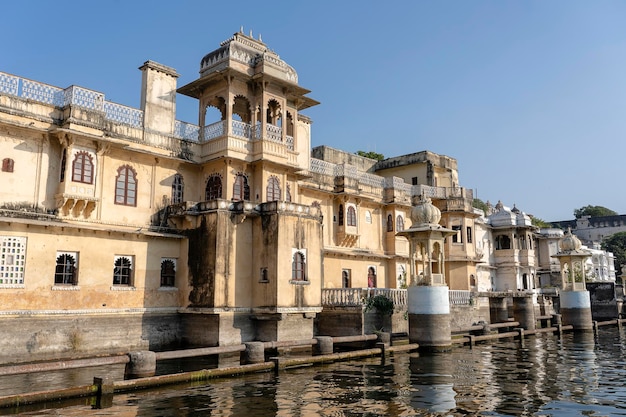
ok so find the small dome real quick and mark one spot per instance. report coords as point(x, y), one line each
point(570, 242)
point(425, 213)
point(515, 209)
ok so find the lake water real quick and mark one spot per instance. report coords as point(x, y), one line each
point(578, 375)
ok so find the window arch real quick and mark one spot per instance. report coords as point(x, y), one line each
point(168, 272)
point(390, 223)
point(65, 271)
point(273, 189)
point(274, 113)
point(241, 189)
point(351, 216)
point(346, 280)
point(371, 277)
point(126, 186)
point(177, 189)
point(213, 188)
point(123, 271)
point(340, 214)
point(82, 168)
point(298, 267)
point(7, 165)
point(399, 223)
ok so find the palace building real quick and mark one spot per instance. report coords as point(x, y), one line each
point(125, 228)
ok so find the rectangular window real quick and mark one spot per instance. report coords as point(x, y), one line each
point(457, 238)
point(66, 271)
point(123, 270)
point(414, 181)
point(469, 234)
point(168, 272)
point(12, 261)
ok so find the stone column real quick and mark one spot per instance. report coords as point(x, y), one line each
point(429, 317)
point(141, 364)
point(498, 310)
point(524, 312)
point(576, 310)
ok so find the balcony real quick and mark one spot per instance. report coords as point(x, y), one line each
point(247, 142)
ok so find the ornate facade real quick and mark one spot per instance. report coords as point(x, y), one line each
point(125, 228)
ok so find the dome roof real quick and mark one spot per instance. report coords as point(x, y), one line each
point(570, 242)
point(425, 213)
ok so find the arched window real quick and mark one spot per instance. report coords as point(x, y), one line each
point(213, 188)
point(7, 165)
point(351, 216)
point(298, 267)
point(241, 189)
point(63, 165)
point(340, 214)
point(168, 272)
point(346, 281)
point(399, 223)
point(123, 271)
point(82, 168)
point(371, 277)
point(126, 186)
point(65, 271)
point(389, 223)
point(177, 189)
point(288, 194)
point(273, 189)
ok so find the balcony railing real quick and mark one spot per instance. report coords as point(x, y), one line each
point(354, 297)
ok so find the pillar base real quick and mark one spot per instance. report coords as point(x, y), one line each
point(524, 312)
point(429, 318)
point(576, 310)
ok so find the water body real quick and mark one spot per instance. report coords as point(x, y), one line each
point(547, 376)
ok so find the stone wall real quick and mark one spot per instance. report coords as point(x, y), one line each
point(603, 301)
point(62, 337)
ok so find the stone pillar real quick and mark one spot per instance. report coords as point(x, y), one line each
point(524, 312)
point(324, 345)
point(384, 338)
point(576, 310)
point(255, 352)
point(429, 317)
point(141, 364)
point(498, 310)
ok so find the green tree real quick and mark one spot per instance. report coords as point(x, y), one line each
point(372, 155)
point(616, 243)
point(593, 211)
point(480, 204)
point(536, 221)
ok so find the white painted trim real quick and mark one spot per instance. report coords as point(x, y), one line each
point(575, 299)
point(428, 300)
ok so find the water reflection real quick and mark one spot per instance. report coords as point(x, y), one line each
point(432, 382)
point(575, 376)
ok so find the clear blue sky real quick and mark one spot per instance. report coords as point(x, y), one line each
point(528, 96)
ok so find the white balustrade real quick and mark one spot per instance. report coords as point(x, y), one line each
point(273, 133)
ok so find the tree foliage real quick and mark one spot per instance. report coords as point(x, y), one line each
point(593, 211)
point(616, 243)
point(536, 221)
point(372, 155)
point(480, 204)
